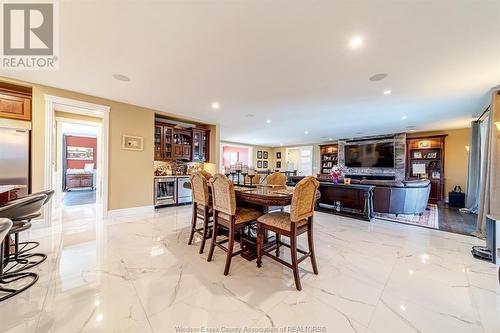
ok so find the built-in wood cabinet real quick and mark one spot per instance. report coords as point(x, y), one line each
point(425, 159)
point(180, 144)
point(200, 145)
point(15, 105)
point(164, 139)
point(329, 158)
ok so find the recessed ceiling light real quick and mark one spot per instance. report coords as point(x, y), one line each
point(215, 105)
point(121, 77)
point(250, 115)
point(306, 132)
point(387, 92)
point(404, 117)
point(378, 77)
point(281, 145)
point(412, 130)
point(268, 121)
point(356, 42)
point(330, 139)
point(254, 139)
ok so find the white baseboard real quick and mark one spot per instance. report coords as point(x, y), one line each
point(143, 210)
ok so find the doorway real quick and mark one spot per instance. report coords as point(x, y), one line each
point(77, 150)
point(82, 113)
point(300, 159)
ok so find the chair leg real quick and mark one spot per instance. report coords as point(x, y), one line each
point(205, 230)
point(260, 241)
point(293, 249)
point(310, 243)
point(193, 223)
point(278, 240)
point(230, 246)
point(215, 231)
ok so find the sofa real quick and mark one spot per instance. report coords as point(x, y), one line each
point(396, 197)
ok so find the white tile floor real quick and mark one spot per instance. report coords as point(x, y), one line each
point(137, 274)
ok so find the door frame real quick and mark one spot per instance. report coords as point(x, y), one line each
point(83, 108)
point(59, 157)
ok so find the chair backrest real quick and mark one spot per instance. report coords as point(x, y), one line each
point(255, 179)
point(5, 225)
point(223, 196)
point(276, 178)
point(48, 193)
point(205, 174)
point(199, 185)
point(23, 207)
point(304, 196)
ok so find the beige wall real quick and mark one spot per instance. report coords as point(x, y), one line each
point(455, 163)
point(130, 172)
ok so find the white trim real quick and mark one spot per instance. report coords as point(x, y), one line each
point(83, 108)
point(143, 210)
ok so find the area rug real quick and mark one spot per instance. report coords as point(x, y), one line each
point(428, 219)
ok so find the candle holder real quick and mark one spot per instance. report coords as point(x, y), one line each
point(251, 179)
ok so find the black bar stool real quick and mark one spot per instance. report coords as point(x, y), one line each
point(21, 212)
point(10, 278)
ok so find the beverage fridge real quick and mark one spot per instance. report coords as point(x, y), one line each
point(15, 158)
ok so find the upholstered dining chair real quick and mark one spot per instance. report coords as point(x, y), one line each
point(226, 214)
point(276, 178)
point(205, 174)
point(293, 224)
point(202, 208)
point(255, 179)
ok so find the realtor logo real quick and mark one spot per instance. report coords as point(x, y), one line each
point(28, 32)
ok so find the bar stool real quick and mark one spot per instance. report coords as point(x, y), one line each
point(202, 208)
point(21, 212)
point(226, 214)
point(9, 278)
point(298, 221)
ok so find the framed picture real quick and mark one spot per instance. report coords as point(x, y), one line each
point(417, 154)
point(265, 165)
point(80, 153)
point(436, 174)
point(259, 164)
point(266, 155)
point(278, 165)
point(278, 155)
point(259, 154)
point(424, 144)
point(432, 155)
point(130, 142)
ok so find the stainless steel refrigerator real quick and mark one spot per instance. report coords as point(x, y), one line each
point(15, 158)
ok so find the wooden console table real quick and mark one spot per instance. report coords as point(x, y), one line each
point(352, 200)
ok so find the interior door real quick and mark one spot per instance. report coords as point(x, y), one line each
point(306, 160)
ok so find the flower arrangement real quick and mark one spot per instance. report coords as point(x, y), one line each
point(336, 172)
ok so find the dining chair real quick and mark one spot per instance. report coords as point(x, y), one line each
point(255, 179)
point(227, 215)
point(293, 224)
point(276, 178)
point(202, 208)
point(205, 174)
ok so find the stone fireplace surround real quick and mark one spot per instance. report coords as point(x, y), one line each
point(396, 173)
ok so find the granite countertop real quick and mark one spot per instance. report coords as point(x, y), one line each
point(171, 176)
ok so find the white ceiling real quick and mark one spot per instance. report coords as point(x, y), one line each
point(288, 61)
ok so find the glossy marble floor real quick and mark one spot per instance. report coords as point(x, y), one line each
point(136, 274)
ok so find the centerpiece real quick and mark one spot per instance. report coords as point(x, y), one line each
point(337, 172)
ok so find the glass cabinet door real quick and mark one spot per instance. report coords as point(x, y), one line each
point(204, 146)
point(196, 146)
point(158, 145)
point(168, 142)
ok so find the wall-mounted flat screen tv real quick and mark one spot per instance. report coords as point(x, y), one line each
point(375, 155)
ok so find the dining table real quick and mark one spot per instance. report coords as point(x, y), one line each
point(263, 198)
